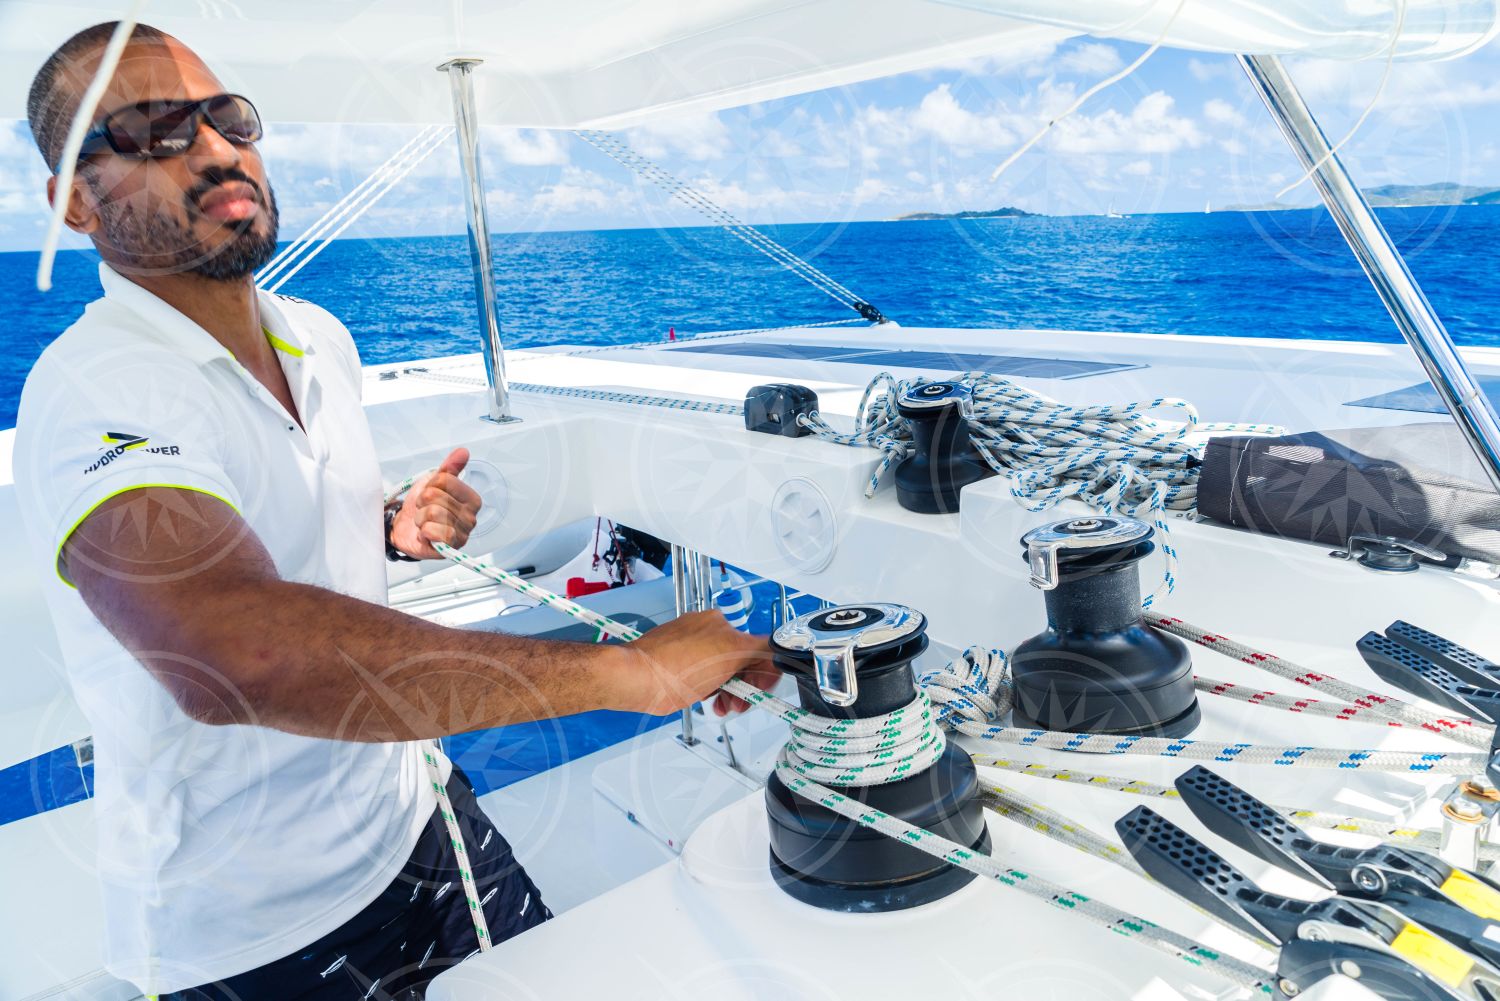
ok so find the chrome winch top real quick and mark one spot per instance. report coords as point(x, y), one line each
point(832, 635)
point(1092, 532)
point(931, 395)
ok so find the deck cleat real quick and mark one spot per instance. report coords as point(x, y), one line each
point(1369, 873)
point(854, 662)
point(1099, 668)
point(1391, 946)
point(943, 460)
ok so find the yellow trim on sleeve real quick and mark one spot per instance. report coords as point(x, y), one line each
point(57, 560)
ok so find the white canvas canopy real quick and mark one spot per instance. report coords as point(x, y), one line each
point(610, 63)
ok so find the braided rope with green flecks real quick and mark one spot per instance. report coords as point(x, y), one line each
point(791, 771)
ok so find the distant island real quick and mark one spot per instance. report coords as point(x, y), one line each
point(1400, 196)
point(1007, 212)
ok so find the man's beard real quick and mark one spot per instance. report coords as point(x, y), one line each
point(162, 245)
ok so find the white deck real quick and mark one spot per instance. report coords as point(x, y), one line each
point(701, 480)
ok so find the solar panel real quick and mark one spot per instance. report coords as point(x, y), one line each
point(1027, 366)
point(1423, 399)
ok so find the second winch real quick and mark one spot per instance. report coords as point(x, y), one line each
point(1098, 667)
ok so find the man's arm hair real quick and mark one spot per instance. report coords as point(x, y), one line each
point(186, 586)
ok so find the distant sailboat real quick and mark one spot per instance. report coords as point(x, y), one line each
point(1208, 207)
point(1110, 213)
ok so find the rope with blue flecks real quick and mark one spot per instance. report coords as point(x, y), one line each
point(1113, 457)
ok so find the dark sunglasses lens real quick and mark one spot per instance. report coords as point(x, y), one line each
point(153, 129)
point(235, 118)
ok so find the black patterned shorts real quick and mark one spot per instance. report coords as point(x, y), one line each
point(417, 928)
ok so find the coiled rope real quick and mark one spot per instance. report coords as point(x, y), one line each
point(1115, 458)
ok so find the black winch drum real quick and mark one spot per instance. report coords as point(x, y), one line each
point(943, 459)
point(1098, 667)
point(854, 661)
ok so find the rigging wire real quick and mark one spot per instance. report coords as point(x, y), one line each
point(363, 205)
point(345, 204)
point(617, 150)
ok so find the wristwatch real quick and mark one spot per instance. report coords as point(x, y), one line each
point(391, 552)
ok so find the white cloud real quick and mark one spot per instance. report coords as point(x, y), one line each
point(941, 116)
point(698, 138)
point(1221, 112)
point(1090, 59)
point(530, 147)
point(1138, 168)
point(869, 190)
point(1150, 127)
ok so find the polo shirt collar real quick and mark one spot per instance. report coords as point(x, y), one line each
point(184, 336)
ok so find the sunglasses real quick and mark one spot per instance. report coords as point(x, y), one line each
point(153, 129)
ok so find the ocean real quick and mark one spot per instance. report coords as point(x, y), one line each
point(1261, 274)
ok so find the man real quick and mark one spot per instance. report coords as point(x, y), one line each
point(196, 472)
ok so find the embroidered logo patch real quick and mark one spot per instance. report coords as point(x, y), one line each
point(117, 443)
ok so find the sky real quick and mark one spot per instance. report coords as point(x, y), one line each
point(1182, 132)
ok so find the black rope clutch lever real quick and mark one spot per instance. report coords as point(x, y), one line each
point(1400, 657)
point(1368, 873)
point(1317, 939)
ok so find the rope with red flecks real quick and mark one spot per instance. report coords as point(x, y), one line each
point(1463, 731)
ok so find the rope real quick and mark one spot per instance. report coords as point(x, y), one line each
point(790, 767)
point(1291, 703)
point(1472, 734)
point(1384, 830)
point(1096, 88)
point(1112, 457)
point(617, 150)
point(83, 115)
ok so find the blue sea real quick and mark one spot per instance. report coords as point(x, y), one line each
point(1271, 274)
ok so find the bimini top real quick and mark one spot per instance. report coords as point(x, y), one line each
point(612, 63)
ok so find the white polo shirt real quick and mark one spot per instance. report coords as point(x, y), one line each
point(221, 848)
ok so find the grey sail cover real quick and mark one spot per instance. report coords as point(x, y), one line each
point(1418, 482)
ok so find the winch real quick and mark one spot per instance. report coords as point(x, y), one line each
point(1098, 667)
point(854, 662)
point(943, 460)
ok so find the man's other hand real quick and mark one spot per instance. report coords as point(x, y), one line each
point(686, 660)
point(439, 507)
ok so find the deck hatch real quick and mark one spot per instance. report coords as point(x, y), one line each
point(1025, 366)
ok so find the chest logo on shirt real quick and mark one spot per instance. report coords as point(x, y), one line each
point(117, 443)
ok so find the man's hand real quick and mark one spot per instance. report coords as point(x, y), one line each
point(686, 660)
point(439, 507)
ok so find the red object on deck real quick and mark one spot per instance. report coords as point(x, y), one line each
point(578, 587)
point(671, 333)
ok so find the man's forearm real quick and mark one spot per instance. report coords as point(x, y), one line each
point(311, 661)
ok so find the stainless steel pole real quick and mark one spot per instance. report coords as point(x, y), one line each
point(683, 598)
point(1381, 262)
point(466, 127)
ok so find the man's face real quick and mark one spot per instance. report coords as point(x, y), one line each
point(209, 211)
